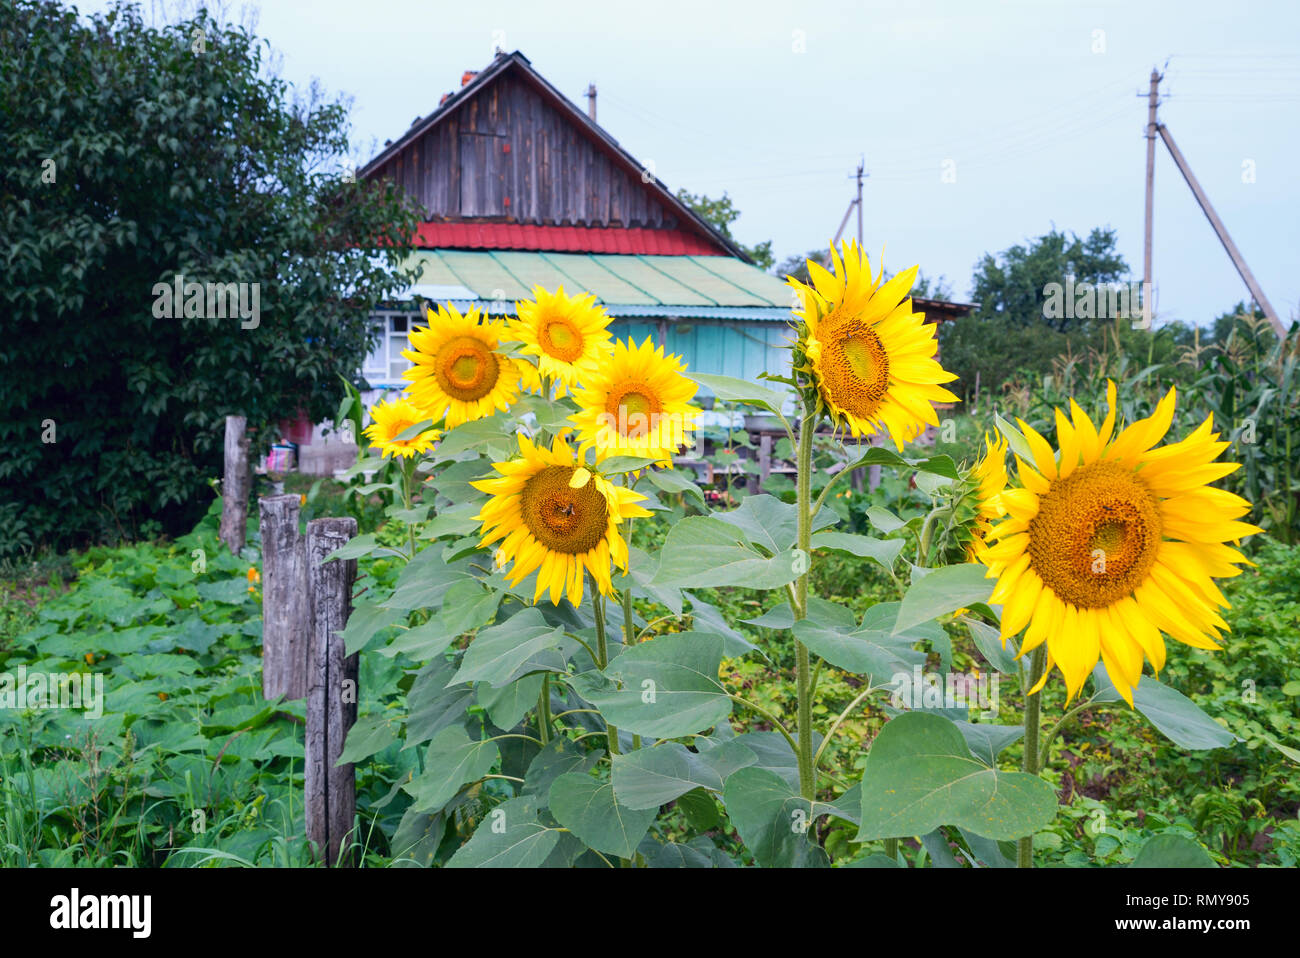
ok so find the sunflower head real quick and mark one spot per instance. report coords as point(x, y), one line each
point(553, 516)
point(458, 369)
point(392, 417)
point(1112, 541)
point(866, 359)
point(567, 334)
point(637, 404)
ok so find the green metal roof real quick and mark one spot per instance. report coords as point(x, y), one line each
point(629, 285)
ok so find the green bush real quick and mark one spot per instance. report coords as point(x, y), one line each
point(133, 155)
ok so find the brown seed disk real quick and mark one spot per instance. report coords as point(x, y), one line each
point(561, 518)
point(854, 365)
point(465, 368)
point(1096, 535)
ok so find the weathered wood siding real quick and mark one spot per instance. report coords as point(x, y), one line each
point(507, 154)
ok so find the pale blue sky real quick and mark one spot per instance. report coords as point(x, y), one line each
point(1041, 129)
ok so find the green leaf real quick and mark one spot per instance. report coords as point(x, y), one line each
point(1291, 753)
point(497, 654)
point(988, 640)
point(827, 614)
point(618, 465)
point(354, 548)
point(675, 482)
point(588, 808)
point(986, 740)
point(457, 520)
point(432, 705)
point(884, 520)
point(920, 774)
point(700, 809)
point(1176, 716)
point(865, 651)
point(728, 389)
point(451, 760)
point(557, 757)
point(883, 551)
point(941, 591)
point(642, 568)
point(772, 820)
point(650, 777)
point(366, 621)
point(422, 642)
point(662, 688)
point(707, 618)
point(425, 580)
point(370, 734)
point(507, 705)
point(701, 551)
point(1171, 850)
point(769, 523)
point(1015, 439)
point(510, 836)
point(468, 605)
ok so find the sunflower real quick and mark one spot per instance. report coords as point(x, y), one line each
point(557, 518)
point(990, 478)
point(637, 404)
point(1114, 543)
point(392, 417)
point(870, 359)
point(567, 334)
point(458, 370)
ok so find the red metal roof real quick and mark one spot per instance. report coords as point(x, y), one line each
point(563, 239)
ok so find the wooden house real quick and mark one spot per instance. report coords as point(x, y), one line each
point(520, 187)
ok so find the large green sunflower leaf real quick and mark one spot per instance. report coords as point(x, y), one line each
point(702, 551)
point(941, 591)
point(588, 808)
point(510, 836)
point(920, 774)
point(1176, 716)
point(662, 688)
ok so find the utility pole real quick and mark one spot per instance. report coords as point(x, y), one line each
point(861, 163)
point(591, 101)
point(1152, 101)
point(1154, 126)
point(859, 176)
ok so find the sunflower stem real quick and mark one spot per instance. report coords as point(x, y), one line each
point(602, 653)
point(1037, 662)
point(407, 473)
point(803, 666)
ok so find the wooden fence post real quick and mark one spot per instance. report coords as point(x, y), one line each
point(234, 485)
point(285, 612)
point(331, 691)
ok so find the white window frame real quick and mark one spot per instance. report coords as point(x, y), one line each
point(379, 366)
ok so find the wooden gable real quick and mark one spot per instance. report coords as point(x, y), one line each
point(509, 148)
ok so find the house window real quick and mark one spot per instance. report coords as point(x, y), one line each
point(385, 364)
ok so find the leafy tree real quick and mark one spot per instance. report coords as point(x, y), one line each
point(721, 213)
point(134, 155)
point(1011, 284)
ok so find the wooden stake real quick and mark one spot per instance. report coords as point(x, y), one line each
point(331, 691)
point(284, 600)
point(235, 485)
